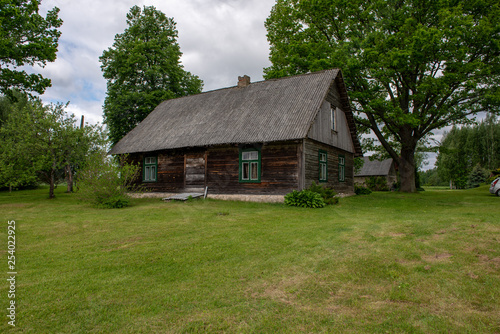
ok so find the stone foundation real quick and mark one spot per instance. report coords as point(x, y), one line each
point(243, 198)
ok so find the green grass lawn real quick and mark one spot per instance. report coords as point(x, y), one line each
point(382, 263)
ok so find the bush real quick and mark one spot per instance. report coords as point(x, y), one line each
point(378, 183)
point(361, 190)
point(104, 182)
point(305, 199)
point(327, 193)
point(115, 202)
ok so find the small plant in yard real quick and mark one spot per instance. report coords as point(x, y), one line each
point(104, 182)
point(361, 190)
point(327, 193)
point(377, 183)
point(305, 199)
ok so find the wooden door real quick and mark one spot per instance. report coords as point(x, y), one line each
point(195, 170)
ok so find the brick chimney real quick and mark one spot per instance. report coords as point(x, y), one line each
point(243, 81)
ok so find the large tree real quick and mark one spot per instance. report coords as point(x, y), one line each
point(411, 66)
point(143, 69)
point(26, 38)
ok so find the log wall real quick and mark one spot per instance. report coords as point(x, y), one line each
point(218, 168)
point(311, 149)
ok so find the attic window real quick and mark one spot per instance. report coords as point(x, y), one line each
point(333, 118)
point(250, 165)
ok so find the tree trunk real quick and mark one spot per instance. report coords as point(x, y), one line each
point(69, 178)
point(52, 183)
point(407, 170)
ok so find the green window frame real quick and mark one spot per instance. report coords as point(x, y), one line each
point(150, 170)
point(323, 166)
point(341, 168)
point(250, 165)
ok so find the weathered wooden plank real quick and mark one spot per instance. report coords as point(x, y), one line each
point(312, 166)
point(218, 168)
point(195, 162)
point(198, 178)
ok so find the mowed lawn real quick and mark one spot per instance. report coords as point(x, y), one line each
point(382, 263)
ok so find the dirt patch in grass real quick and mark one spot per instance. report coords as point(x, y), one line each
point(437, 257)
point(485, 260)
point(13, 205)
point(282, 291)
point(496, 262)
point(315, 294)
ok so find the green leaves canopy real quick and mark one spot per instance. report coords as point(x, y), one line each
point(38, 141)
point(411, 66)
point(26, 38)
point(143, 69)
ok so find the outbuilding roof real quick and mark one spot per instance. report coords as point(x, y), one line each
point(375, 167)
point(265, 111)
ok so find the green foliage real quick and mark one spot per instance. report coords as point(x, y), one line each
point(477, 177)
point(361, 190)
point(143, 69)
point(104, 181)
point(327, 193)
point(17, 100)
point(39, 141)
point(114, 202)
point(377, 183)
point(358, 164)
point(410, 67)
point(431, 177)
point(26, 38)
point(462, 149)
point(305, 199)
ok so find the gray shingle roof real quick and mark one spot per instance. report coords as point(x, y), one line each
point(265, 111)
point(375, 167)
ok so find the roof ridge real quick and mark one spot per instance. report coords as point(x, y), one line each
point(272, 79)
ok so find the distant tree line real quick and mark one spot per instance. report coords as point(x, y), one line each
point(468, 155)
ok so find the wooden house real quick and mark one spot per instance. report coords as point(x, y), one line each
point(376, 168)
point(267, 137)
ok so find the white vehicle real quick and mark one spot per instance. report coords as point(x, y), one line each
point(495, 186)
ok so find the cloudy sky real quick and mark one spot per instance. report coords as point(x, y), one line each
point(220, 40)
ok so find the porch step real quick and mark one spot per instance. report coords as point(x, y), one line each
point(183, 196)
point(189, 192)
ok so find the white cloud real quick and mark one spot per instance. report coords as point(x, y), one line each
point(220, 40)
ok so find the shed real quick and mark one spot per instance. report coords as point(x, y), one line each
point(375, 168)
